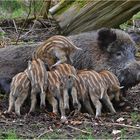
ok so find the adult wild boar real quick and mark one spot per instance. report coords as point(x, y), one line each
point(110, 49)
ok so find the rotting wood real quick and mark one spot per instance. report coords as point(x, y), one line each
point(79, 16)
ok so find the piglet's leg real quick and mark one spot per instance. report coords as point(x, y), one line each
point(96, 103)
point(33, 100)
point(11, 103)
point(75, 98)
point(108, 103)
point(19, 102)
point(43, 99)
point(66, 100)
point(61, 106)
point(51, 99)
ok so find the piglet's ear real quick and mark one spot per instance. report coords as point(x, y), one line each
point(105, 37)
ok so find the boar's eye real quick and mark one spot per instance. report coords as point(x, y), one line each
point(118, 54)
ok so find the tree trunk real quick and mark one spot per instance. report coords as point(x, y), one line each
point(80, 16)
point(47, 4)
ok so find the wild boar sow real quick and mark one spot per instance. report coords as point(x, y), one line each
point(109, 49)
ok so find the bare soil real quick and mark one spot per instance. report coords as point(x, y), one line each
point(43, 124)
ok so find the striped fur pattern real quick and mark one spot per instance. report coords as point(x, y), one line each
point(57, 87)
point(91, 84)
point(55, 50)
point(36, 72)
point(66, 70)
point(20, 87)
point(112, 84)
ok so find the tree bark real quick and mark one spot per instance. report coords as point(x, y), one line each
point(80, 16)
point(47, 4)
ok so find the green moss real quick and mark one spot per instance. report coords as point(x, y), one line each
point(78, 3)
point(64, 9)
point(137, 16)
point(81, 3)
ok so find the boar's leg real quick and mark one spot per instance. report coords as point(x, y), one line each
point(51, 99)
point(19, 101)
point(108, 103)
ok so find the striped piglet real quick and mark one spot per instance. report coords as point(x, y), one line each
point(55, 50)
point(96, 86)
point(57, 88)
point(19, 90)
point(36, 72)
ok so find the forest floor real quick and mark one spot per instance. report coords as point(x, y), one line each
point(43, 124)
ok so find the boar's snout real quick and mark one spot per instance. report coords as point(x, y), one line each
point(130, 75)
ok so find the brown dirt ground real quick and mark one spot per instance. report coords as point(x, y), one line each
point(44, 124)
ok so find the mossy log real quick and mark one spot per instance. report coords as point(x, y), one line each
point(79, 16)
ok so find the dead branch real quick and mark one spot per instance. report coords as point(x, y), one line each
point(123, 125)
point(45, 132)
point(24, 22)
point(83, 131)
point(15, 26)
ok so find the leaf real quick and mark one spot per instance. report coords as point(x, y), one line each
point(120, 120)
point(115, 132)
point(76, 122)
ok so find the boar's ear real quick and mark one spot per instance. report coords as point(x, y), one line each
point(105, 37)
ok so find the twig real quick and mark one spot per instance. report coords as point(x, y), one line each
point(15, 26)
point(123, 125)
point(29, 30)
point(83, 131)
point(24, 22)
point(47, 131)
point(37, 17)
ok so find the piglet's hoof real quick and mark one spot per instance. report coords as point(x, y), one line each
point(43, 107)
point(6, 112)
point(63, 119)
point(31, 114)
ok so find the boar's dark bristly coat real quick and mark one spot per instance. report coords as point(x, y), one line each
point(106, 49)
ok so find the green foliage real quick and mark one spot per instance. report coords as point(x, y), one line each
point(2, 34)
point(127, 24)
point(81, 3)
point(123, 133)
point(137, 16)
point(19, 8)
point(11, 5)
point(18, 13)
point(11, 135)
point(55, 135)
point(135, 117)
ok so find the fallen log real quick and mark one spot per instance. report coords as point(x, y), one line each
point(80, 16)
